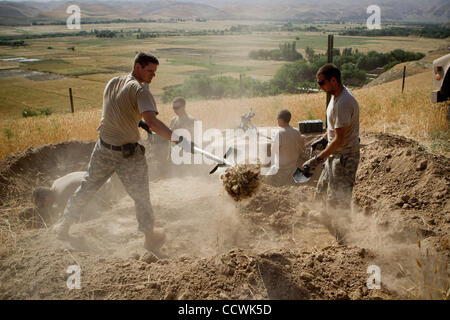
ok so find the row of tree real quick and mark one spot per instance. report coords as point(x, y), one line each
point(427, 31)
point(294, 77)
point(17, 43)
point(287, 52)
point(106, 21)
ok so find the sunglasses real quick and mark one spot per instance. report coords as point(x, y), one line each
point(321, 83)
point(176, 108)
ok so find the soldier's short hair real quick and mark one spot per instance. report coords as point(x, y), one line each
point(39, 195)
point(180, 100)
point(144, 59)
point(285, 115)
point(329, 71)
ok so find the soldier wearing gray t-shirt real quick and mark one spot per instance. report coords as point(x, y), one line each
point(341, 149)
point(343, 111)
point(126, 100)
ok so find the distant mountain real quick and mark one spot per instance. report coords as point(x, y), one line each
point(15, 12)
point(12, 13)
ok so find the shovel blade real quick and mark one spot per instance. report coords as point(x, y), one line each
point(300, 176)
point(227, 154)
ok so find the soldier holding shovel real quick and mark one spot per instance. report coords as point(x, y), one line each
point(126, 100)
point(341, 146)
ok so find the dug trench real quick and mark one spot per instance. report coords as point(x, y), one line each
point(269, 246)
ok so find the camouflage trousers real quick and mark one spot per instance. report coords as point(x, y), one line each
point(132, 171)
point(335, 185)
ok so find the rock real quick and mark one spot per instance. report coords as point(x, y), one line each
point(355, 295)
point(135, 256)
point(154, 285)
point(405, 198)
point(439, 195)
point(405, 206)
point(422, 165)
point(341, 294)
point(170, 295)
point(362, 253)
point(388, 169)
point(126, 264)
point(186, 295)
point(320, 257)
point(365, 291)
point(183, 257)
point(376, 295)
point(149, 257)
point(306, 276)
point(252, 279)
point(140, 287)
point(224, 296)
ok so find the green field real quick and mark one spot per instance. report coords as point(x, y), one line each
point(94, 61)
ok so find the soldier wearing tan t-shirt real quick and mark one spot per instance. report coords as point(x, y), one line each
point(287, 146)
point(126, 100)
point(181, 120)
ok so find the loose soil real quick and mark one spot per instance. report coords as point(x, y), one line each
point(242, 181)
point(273, 245)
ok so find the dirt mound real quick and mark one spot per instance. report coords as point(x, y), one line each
point(397, 174)
point(329, 273)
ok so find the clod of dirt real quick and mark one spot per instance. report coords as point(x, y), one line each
point(149, 258)
point(242, 181)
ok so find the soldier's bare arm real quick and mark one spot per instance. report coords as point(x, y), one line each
point(336, 143)
point(157, 125)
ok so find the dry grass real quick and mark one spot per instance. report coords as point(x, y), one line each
point(18, 135)
point(430, 279)
point(382, 109)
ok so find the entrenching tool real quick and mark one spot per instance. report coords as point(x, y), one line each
point(224, 162)
point(221, 162)
point(303, 176)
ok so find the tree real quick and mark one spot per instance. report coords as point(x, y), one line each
point(309, 53)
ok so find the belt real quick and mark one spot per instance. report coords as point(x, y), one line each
point(111, 147)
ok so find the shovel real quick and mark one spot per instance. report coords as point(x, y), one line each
point(221, 162)
point(303, 176)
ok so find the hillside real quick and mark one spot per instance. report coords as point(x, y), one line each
point(437, 11)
